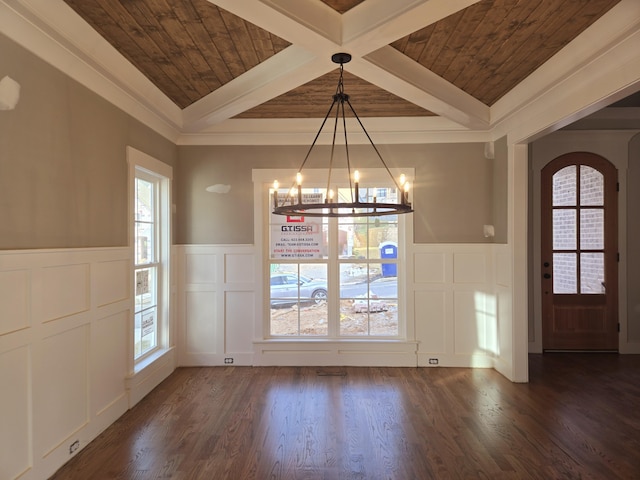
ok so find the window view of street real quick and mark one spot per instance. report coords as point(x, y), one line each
point(365, 279)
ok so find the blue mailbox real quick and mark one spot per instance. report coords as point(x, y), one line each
point(389, 250)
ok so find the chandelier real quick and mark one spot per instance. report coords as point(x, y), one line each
point(292, 203)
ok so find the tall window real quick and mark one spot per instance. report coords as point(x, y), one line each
point(335, 277)
point(151, 253)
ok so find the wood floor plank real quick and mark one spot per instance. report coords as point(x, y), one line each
point(577, 418)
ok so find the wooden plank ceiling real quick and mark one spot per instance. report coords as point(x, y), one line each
point(191, 48)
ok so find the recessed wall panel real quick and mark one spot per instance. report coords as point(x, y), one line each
point(469, 321)
point(239, 318)
point(14, 412)
point(200, 268)
point(201, 322)
point(109, 354)
point(60, 387)
point(469, 268)
point(112, 281)
point(14, 300)
point(430, 313)
point(65, 291)
point(239, 268)
point(429, 268)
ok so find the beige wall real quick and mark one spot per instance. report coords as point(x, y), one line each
point(63, 168)
point(453, 192)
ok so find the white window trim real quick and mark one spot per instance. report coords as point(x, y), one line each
point(263, 181)
point(138, 160)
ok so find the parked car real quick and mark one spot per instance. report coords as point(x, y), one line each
point(287, 288)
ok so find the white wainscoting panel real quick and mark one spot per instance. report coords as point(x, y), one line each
point(216, 303)
point(200, 268)
point(453, 310)
point(202, 329)
point(109, 350)
point(239, 268)
point(15, 412)
point(64, 291)
point(455, 307)
point(65, 339)
point(432, 328)
point(14, 300)
point(429, 268)
point(60, 399)
point(470, 267)
point(107, 285)
point(239, 311)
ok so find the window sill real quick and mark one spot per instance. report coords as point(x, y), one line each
point(150, 361)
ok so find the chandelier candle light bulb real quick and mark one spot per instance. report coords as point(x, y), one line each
point(356, 178)
point(299, 182)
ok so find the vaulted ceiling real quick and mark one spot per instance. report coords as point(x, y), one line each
point(464, 64)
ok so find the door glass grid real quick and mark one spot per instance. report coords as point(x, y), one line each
point(578, 230)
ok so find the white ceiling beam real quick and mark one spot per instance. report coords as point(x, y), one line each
point(311, 25)
point(376, 23)
point(315, 27)
point(273, 77)
point(391, 70)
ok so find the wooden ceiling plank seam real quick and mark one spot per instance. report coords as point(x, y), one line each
point(208, 18)
point(241, 39)
point(193, 21)
point(434, 43)
point(416, 42)
point(561, 33)
point(503, 18)
point(565, 32)
point(171, 18)
point(518, 17)
point(153, 63)
point(401, 44)
point(261, 41)
point(217, 26)
point(450, 41)
point(463, 64)
point(279, 44)
point(148, 18)
point(522, 59)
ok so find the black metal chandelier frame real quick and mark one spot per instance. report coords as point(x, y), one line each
point(292, 204)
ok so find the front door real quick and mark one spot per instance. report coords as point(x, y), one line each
point(579, 253)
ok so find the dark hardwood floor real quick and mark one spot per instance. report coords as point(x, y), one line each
point(577, 418)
